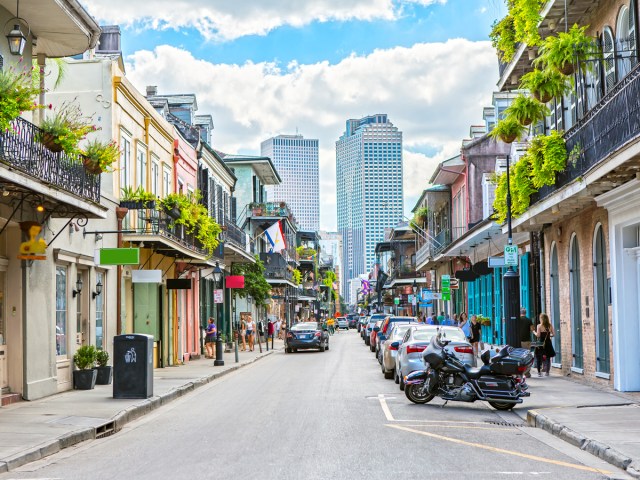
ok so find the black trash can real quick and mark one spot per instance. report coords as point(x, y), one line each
point(133, 366)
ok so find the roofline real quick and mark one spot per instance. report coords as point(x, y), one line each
point(250, 159)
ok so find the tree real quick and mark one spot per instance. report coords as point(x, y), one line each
point(255, 284)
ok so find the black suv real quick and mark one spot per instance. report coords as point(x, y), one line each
point(353, 320)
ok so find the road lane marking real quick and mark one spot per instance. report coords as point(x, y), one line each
point(501, 450)
point(466, 427)
point(385, 408)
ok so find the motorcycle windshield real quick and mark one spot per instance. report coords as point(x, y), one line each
point(434, 348)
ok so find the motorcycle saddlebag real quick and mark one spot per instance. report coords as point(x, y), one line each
point(495, 385)
point(515, 363)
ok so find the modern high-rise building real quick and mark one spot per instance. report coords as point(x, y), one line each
point(369, 190)
point(296, 160)
point(331, 249)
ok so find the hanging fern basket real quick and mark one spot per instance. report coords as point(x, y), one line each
point(567, 68)
point(508, 138)
point(542, 97)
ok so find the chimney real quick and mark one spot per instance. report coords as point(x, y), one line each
point(152, 90)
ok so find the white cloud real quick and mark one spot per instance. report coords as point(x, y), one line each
point(228, 20)
point(431, 92)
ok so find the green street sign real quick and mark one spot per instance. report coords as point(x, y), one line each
point(445, 285)
point(119, 256)
point(396, 301)
point(511, 255)
point(446, 296)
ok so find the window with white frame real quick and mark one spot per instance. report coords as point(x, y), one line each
point(100, 279)
point(125, 160)
point(155, 175)
point(141, 165)
point(166, 180)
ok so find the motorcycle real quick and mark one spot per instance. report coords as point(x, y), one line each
point(499, 381)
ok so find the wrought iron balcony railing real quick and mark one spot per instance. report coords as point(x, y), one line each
point(441, 241)
point(20, 148)
point(236, 236)
point(271, 209)
point(611, 124)
point(159, 223)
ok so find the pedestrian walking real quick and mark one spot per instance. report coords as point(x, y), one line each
point(283, 329)
point(251, 329)
point(270, 329)
point(331, 325)
point(243, 331)
point(278, 325)
point(210, 339)
point(455, 319)
point(545, 352)
point(475, 336)
point(465, 325)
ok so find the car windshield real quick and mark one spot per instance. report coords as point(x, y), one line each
point(305, 326)
point(454, 334)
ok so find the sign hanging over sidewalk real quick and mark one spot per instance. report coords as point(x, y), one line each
point(218, 296)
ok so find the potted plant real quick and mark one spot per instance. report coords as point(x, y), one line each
point(420, 215)
point(105, 372)
point(84, 359)
point(63, 130)
point(545, 84)
point(527, 110)
point(136, 199)
point(568, 49)
point(99, 156)
point(508, 130)
point(503, 38)
point(172, 203)
point(547, 155)
point(17, 95)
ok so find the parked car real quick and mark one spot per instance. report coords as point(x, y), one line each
point(353, 320)
point(374, 334)
point(389, 348)
point(372, 321)
point(417, 338)
point(306, 335)
point(385, 329)
point(362, 321)
point(342, 323)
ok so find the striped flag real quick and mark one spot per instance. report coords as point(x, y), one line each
point(275, 238)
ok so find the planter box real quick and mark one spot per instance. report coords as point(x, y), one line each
point(172, 212)
point(138, 205)
point(84, 379)
point(104, 375)
point(49, 142)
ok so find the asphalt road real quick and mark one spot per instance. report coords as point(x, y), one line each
point(315, 415)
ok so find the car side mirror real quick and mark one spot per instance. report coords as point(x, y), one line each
point(395, 345)
point(376, 329)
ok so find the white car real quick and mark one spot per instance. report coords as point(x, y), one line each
point(343, 322)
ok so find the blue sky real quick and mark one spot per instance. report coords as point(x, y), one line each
point(269, 67)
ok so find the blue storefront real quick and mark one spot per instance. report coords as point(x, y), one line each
point(485, 298)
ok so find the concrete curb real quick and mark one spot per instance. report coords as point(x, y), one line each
point(119, 420)
point(598, 449)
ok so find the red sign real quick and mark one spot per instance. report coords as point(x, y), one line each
point(235, 281)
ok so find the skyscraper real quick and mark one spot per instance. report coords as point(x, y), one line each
point(369, 189)
point(296, 160)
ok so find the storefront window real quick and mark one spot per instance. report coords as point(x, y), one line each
point(100, 312)
point(61, 310)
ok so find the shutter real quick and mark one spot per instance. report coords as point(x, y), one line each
point(633, 48)
point(255, 190)
point(488, 195)
point(219, 201)
point(234, 209)
point(203, 186)
point(226, 207)
point(623, 45)
point(609, 63)
point(1, 62)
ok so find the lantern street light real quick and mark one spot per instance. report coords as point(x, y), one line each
point(218, 278)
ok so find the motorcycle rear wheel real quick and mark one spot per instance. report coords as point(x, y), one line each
point(413, 393)
point(502, 405)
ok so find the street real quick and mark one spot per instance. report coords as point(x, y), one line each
point(316, 415)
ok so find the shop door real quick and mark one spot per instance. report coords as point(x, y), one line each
point(146, 314)
point(601, 295)
point(576, 304)
point(555, 305)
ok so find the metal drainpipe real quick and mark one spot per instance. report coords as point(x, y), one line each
point(543, 298)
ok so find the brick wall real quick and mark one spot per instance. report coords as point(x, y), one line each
point(583, 225)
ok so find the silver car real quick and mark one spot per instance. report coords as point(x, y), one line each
point(389, 349)
point(343, 322)
point(417, 338)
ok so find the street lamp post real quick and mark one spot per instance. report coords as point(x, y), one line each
point(286, 308)
point(510, 283)
point(414, 287)
point(218, 277)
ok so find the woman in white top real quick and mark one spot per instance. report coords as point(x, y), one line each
point(251, 328)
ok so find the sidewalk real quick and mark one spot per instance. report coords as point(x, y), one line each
point(30, 431)
point(600, 421)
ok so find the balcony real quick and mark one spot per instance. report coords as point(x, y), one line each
point(236, 236)
point(158, 230)
point(271, 209)
point(441, 241)
point(20, 150)
point(276, 268)
point(614, 122)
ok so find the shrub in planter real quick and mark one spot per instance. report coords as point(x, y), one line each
point(136, 199)
point(63, 130)
point(547, 155)
point(84, 359)
point(17, 95)
point(503, 38)
point(99, 156)
point(104, 371)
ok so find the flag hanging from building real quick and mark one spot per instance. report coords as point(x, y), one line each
point(366, 286)
point(275, 237)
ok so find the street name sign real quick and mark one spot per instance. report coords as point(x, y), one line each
point(511, 255)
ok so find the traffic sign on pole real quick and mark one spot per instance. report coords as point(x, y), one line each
point(511, 255)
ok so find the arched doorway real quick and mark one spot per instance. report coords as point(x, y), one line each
point(601, 296)
point(555, 304)
point(576, 304)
